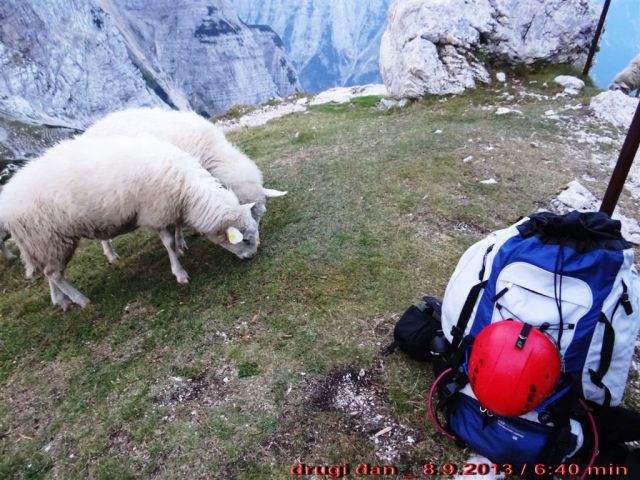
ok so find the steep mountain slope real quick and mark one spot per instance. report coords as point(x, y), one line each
point(64, 62)
point(331, 42)
point(201, 53)
point(69, 62)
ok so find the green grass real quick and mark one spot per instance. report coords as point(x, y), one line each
point(235, 112)
point(248, 369)
point(216, 379)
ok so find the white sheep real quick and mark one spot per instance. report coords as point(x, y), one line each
point(628, 79)
point(199, 138)
point(103, 187)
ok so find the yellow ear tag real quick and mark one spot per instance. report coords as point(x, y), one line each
point(234, 235)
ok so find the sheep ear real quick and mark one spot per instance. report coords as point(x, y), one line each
point(248, 206)
point(234, 235)
point(271, 193)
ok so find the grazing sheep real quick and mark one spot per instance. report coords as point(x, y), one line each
point(199, 138)
point(628, 79)
point(103, 187)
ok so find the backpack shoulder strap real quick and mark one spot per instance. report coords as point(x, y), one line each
point(463, 320)
point(608, 342)
point(457, 331)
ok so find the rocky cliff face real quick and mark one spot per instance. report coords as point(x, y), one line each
point(70, 62)
point(200, 53)
point(63, 62)
point(275, 59)
point(433, 46)
point(331, 42)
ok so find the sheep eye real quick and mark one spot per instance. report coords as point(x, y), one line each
point(247, 241)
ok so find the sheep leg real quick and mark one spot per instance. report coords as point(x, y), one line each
point(168, 240)
point(57, 297)
point(181, 244)
point(108, 251)
point(69, 290)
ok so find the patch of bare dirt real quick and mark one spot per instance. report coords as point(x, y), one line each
point(381, 328)
point(354, 393)
point(344, 406)
point(180, 393)
point(430, 224)
point(120, 443)
point(28, 416)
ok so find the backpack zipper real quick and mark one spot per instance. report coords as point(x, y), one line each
point(502, 292)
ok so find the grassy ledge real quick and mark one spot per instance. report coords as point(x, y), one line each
point(259, 365)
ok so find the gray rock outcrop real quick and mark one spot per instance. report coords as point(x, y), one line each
point(437, 46)
point(614, 107)
point(572, 85)
point(576, 197)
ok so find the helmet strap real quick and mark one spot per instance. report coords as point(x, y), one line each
point(522, 337)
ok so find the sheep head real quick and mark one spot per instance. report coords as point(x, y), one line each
point(260, 207)
point(240, 235)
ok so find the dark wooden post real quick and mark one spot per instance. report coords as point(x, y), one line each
point(620, 172)
point(596, 38)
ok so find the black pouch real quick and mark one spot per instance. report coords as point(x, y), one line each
point(415, 330)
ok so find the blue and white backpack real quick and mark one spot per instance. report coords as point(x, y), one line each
point(572, 276)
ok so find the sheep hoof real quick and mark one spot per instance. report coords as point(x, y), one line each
point(64, 304)
point(181, 247)
point(83, 302)
point(113, 258)
point(182, 277)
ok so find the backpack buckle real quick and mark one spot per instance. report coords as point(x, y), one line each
point(522, 337)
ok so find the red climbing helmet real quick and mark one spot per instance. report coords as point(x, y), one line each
point(513, 367)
